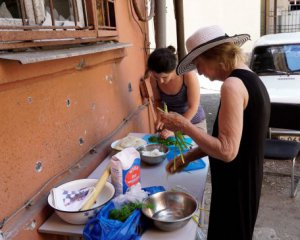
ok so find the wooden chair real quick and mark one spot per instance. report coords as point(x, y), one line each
point(284, 121)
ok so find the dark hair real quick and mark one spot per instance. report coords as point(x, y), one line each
point(162, 60)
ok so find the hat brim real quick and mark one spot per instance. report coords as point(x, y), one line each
point(186, 65)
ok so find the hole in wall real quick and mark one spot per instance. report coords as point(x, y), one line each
point(68, 102)
point(38, 166)
point(29, 100)
point(109, 78)
point(81, 64)
point(31, 226)
point(93, 106)
point(129, 87)
point(81, 141)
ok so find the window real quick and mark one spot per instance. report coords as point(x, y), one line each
point(106, 19)
point(272, 60)
point(106, 16)
point(27, 23)
point(292, 53)
point(294, 5)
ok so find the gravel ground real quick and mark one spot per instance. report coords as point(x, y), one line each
point(279, 215)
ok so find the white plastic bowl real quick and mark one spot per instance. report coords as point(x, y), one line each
point(81, 217)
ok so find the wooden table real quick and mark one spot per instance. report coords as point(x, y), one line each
point(191, 182)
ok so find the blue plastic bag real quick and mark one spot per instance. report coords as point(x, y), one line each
point(101, 227)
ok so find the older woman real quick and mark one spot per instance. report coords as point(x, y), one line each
point(236, 147)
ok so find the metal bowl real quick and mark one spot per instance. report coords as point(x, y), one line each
point(153, 160)
point(170, 210)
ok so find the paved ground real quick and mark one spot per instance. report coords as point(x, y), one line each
point(279, 215)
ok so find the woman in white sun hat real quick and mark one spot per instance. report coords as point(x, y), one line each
point(236, 147)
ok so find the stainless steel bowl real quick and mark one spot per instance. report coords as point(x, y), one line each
point(153, 160)
point(170, 210)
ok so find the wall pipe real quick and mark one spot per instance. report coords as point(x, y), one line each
point(179, 16)
point(160, 23)
point(275, 17)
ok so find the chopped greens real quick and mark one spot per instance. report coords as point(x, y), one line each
point(171, 141)
point(166, 142)
point(125, 211)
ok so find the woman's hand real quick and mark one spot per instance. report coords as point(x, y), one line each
point(176, 165)
point(159, 126)
point(190, 156)
point(166, 133)
point(174, 121)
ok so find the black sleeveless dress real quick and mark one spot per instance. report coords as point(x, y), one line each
point(236, 186)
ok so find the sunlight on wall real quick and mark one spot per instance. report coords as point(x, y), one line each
point(234, 18)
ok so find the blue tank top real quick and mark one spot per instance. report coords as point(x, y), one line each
point(178, 103)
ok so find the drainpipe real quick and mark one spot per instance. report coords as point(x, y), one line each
point(275, 16)
point(160, 23)
point(264, 17)
point(179, 16)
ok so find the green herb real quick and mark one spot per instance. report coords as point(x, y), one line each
point(179, 139)
point(166, 142)
point(165, 107)
point(125, 211)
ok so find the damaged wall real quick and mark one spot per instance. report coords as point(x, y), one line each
point(54, 112)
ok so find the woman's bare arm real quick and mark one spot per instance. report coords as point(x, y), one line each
point(193, 94)
point(156, 102)
point(234, 99)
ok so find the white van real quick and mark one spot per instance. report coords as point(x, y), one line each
point(276, 59)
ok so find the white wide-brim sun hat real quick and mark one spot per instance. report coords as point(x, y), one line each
point(204, 39)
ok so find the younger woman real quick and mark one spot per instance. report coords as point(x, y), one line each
point(180, 93)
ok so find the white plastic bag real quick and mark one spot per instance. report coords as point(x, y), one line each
point(133, 194)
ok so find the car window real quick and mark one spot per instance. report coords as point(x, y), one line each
point(292, 53)
point(279, 59)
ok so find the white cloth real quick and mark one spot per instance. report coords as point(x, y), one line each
point(70, 200)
